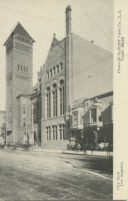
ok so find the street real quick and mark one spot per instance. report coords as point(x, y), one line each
point(54, 176)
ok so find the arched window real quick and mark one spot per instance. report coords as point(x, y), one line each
point(54, 70)
point(55, 137)
point(48, 102)
point(57, 68)
point(51, 72)
point(48, 132)
point(62, 105)
point(61, 66)
point(47, 74)
point(54, 100)
point(62, 132)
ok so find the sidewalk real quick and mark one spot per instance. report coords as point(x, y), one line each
point(88, 152)
point(95, 153)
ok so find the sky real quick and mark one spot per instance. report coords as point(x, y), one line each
point(91, 19)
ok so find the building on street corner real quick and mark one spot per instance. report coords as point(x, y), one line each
point(72, 99)
point(19, 72)
point(74, 68)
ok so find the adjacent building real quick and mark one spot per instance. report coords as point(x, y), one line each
point(73, 95)
point(74, 68)
point(92, 120)
point(36, 110)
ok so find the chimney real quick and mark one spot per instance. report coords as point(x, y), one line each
point(68, 20)
point(69, 90)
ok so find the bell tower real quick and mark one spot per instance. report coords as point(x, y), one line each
point(19, 71)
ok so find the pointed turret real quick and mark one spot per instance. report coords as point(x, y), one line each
point(20, 30)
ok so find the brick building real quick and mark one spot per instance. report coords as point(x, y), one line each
point(74, 68)
point(19, 56)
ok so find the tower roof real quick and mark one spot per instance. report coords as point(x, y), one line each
point(19, 29)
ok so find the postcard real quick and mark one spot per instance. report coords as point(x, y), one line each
point(64, 100)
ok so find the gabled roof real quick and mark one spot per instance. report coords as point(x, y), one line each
point(19, 29)
point(55, 42)
point(62, 43)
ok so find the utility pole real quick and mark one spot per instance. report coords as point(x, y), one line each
point(26, 126)
point(32, 127)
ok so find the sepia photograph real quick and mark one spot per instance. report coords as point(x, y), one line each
point(56, 105)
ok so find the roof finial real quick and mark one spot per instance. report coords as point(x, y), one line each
point(54, 35)
point(68, 8)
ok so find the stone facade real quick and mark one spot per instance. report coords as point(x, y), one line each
point(86, 72)
point(75, 68)
point(53, 97)
point(24, 120)
point(19, 56)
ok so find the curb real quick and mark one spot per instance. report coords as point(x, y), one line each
point(88, 153)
